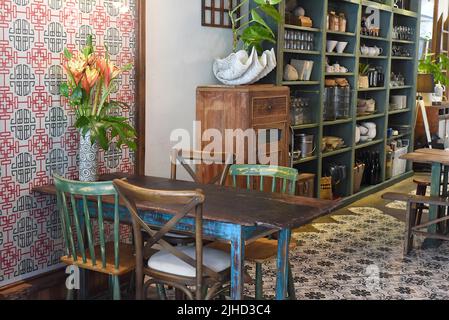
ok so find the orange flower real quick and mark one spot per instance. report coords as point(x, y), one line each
point(108, 70)
point(76, 66)
point(90, 78)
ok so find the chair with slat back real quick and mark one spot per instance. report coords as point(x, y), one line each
point(79, 204)
point(225, 160)
point(175, 266)
point(182, 156)
point(280, 180)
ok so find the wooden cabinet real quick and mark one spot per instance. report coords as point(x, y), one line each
point(259, 107)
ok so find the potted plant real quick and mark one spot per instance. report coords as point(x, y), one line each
point(435, 65)
point(88, 87)
point(363, 75)
point(249, 32)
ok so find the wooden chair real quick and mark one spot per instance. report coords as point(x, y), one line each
point(218, 158)
point(422, 183)
point(283, 180)
point(178, 267)
point(411, 227)
point(79, 204)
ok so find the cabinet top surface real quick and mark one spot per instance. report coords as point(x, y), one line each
point(246, 88)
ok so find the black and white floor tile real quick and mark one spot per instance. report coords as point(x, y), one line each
point(359, 256)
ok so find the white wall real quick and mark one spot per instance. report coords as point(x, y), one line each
point(180, 53)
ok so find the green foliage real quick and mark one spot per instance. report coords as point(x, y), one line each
point(256, 30)
point(363, 69)
point(435, 66)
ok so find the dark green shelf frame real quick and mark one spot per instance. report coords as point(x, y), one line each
point(350, 59)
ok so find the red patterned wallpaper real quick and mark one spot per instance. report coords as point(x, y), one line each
point(36, 134)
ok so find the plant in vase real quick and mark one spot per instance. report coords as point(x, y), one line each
point(363, 75)
point(249, 32)
point(88, 89)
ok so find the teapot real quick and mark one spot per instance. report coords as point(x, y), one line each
point(364, 50)
point(439, 92)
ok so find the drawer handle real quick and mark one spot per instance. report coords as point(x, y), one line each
point(269, 107)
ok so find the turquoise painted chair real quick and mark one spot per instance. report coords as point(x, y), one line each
point(263, 177)
point(79, 204)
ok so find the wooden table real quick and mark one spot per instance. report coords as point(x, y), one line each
point(439, 160)
point(234, 215)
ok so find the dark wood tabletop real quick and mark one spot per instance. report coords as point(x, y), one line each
point(428, 156)
point(237, 206)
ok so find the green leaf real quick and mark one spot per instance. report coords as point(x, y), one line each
point(255, 35)
point(77, 95)
point(64, 90)
point(268, 2)
point(258, 19)
point(68, 54)
point(272, 12)
point(103, 138)
point(82, 122)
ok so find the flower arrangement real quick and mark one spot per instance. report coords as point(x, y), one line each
point(88, 88)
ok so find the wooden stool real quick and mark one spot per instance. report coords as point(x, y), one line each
point(421, 189)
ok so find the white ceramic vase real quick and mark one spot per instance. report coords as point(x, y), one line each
point(238, 68)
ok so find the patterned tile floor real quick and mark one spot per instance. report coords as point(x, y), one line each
point(358, 255)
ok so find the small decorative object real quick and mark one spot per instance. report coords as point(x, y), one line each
point(90, 78)
point(342, 22)
point(290, 73)
point(299, 12)
point(326, 188)
point(341, 46)
point(240, 68)
point(330, 45)
point(216, 13)
point(304, 68)
point(305, 22)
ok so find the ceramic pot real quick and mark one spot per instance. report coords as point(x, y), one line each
point(88, 161)
point(341, 46)
point(331, 44)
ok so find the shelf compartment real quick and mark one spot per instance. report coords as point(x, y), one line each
point(340, 74)
point(373, 38)
point(371, 89)
point(371, 116)
point(300, 83)
point(335, 122)
point(301, 51)
point(373, 57)
point(401, 87)
point(404, 12)
point(368, 144)
point(304, 160)
point(341, 33)
point(398, 111)
point(402, 58)
point(295, 27)
point(336, 152)
point(305, 126)
point(403, 41)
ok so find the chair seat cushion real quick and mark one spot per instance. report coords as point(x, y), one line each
point(164, 261)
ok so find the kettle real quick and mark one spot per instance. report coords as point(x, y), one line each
point(439, 92)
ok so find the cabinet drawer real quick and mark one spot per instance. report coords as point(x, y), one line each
point(270, 109)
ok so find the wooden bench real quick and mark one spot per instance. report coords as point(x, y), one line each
point(411, 226)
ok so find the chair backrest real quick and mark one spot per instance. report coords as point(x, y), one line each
point(217, 158)
point(283, 179)
point(77, 218)
point(180, 203)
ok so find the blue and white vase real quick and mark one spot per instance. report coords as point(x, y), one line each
point(88, 159)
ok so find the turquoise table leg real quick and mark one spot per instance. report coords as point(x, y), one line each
point(282, 264)
point(433, 210)
point(237, 262)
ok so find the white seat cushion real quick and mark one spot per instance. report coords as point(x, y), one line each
point(164, 261)
point(177, 235)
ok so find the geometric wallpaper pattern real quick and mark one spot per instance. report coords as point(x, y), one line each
point(37, 138)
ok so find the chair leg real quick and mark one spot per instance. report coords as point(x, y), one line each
point(291, 284)
point(259, 282)
point(70, 294)
point(161, 291)
point(116, 287)
point(408, 238)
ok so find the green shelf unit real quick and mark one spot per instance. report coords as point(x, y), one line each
point(350, 58)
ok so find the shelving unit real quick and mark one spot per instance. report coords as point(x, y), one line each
point(350, 58)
